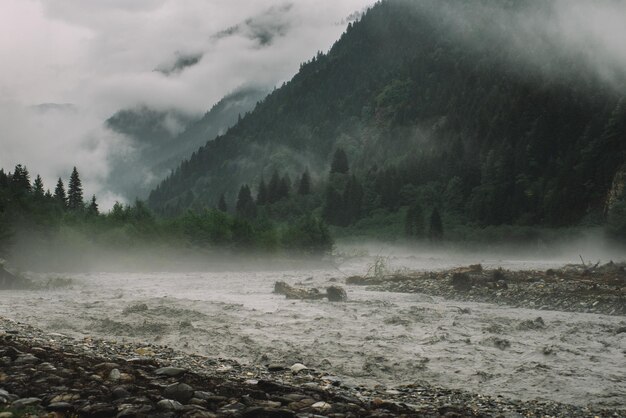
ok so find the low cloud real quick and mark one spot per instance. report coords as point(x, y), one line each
point(537, 36)
point(68, 65)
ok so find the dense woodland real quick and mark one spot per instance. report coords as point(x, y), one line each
point(436, 122)
point(29, 211)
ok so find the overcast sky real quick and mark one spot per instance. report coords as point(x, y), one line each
point(67, 65)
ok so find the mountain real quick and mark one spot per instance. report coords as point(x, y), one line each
point(488, 109)
point(160, 140)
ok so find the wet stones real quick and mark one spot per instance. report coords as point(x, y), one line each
point(573, 288)
point(333, 293)
point(26, 359)
point(180, 392)
point(169, 405)
point(461, 281)
point(281, 393)
point(535, 324)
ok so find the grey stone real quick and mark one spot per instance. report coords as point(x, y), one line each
point(169, 405)
point(170, 371)
point(24, 402)
point(180, 392)
point(336, 294)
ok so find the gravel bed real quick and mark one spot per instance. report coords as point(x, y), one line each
point(573, 288)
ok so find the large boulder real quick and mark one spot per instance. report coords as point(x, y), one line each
point(336, 294)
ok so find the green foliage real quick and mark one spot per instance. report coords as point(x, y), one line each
point(75, 192)
point(59, 194)
point(309, 235)
point(414, 221)
point(432, 118)
point(246, 208)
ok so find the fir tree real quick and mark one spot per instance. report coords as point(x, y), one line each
point(414, 221)
point(221, 205)
point(261, 196)
point(245, 204)
point(20, 181)
point(4, 180)
point(304, 188)
point(273, 188)
point(59, 193)
point(93, 206)
point(284, 185)
point(340, 162)
point(38, 187)
point(75, 192)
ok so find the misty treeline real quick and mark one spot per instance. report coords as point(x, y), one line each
point(442, 123)
point(64, 217)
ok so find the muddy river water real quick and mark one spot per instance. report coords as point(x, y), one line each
point(376, 338)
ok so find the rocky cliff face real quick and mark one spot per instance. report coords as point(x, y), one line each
point(617, 192)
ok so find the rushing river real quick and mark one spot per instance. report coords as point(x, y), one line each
point(376, 338)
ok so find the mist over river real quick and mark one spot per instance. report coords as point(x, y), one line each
point(375, 338)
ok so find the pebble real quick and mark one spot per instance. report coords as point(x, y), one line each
point(24, 402)
point(169, 405)
point(180, 392)
point(298, 367)
point(170, 371)
point(114, 375)
point(322, 406)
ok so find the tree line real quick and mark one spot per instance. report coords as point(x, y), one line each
point(28, 208)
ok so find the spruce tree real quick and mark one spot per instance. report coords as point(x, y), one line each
point(273, 188)
point(284, 185)
point(245, 204)
point(304, 188)
point(221, 205)
point(261, 196)
point(340, 162)
point(93, 206)
point(414, 221)
point(59, 194)
point(20, 181)
point(75, 192)
point(4, 180)
point(38, 187)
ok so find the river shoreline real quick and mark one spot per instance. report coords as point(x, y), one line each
point(48, 372)
point(573, 288)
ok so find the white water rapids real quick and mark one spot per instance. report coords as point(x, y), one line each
point(375, 338)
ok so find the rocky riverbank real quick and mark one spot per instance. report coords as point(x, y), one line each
point(573, 288)
point(47, 374)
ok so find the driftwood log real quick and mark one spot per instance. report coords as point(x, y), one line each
point(333, 293)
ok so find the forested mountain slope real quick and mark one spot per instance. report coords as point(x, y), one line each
point(456, 105)
point(162, 139)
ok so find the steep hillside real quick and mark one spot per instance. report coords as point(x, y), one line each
point(162, 139)
point(458, 105)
